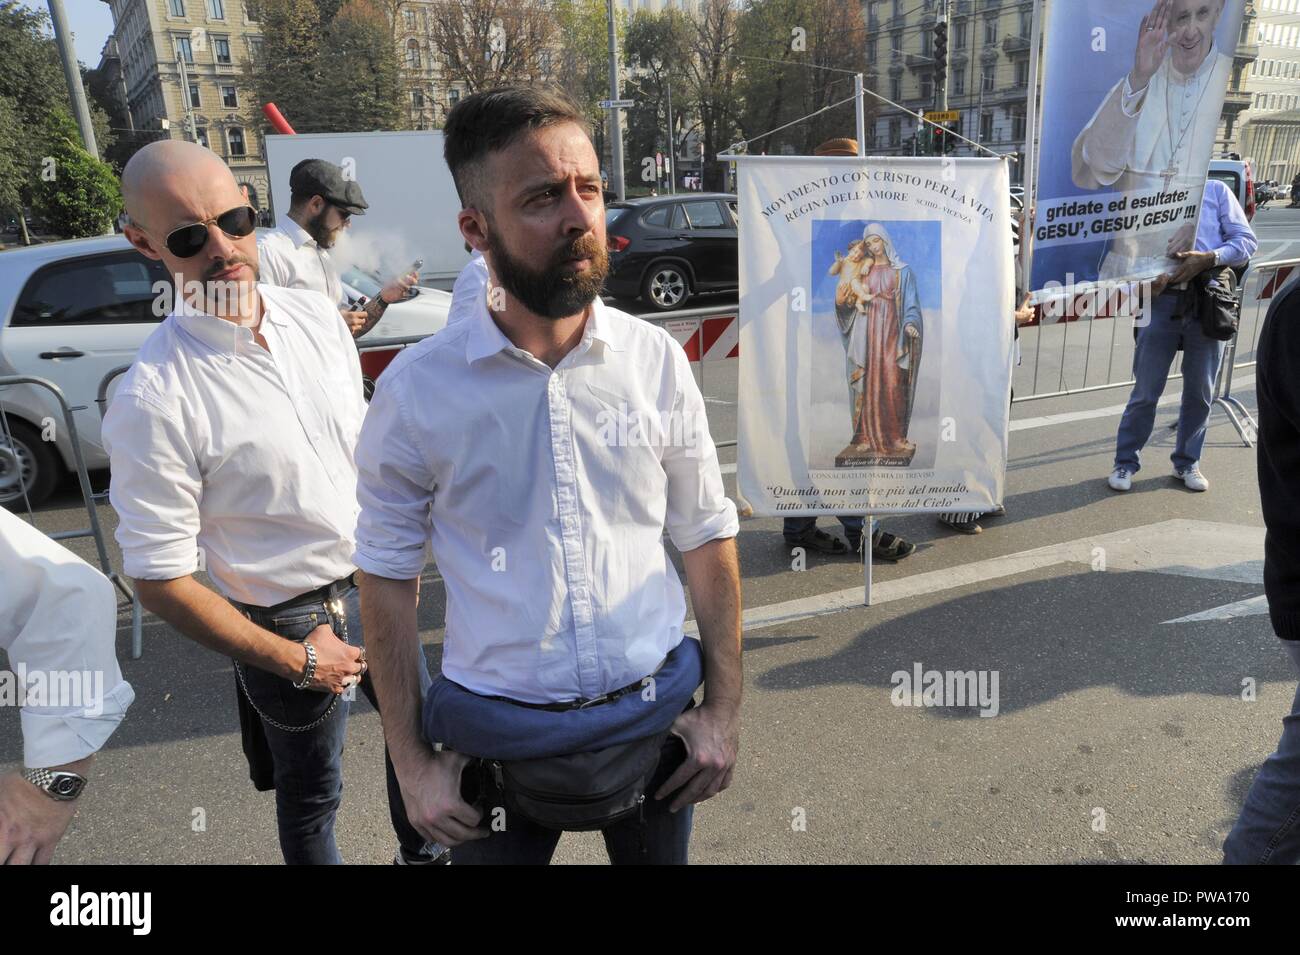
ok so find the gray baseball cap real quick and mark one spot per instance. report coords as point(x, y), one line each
point(317, 177)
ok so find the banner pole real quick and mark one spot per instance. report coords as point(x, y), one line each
point(1030, 171)
point(860, 109)
point(868, 532)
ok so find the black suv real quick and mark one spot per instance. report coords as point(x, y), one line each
point(666, 249)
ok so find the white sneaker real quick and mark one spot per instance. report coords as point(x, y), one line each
point(1120, 479)
point(1193, 478)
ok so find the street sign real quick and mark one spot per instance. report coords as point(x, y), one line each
point(617, 103)
point(943, 115)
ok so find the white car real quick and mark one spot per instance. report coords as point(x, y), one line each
point(73, 311)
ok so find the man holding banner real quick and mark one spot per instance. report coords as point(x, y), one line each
point(1223, 238)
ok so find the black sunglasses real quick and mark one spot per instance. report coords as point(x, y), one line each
point(189, 240)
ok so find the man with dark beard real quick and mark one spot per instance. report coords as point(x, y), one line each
point(541, 446)
point(296, 254)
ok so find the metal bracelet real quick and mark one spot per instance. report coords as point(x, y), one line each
point(310, 672)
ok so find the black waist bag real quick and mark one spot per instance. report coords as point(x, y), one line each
point(579, 792)
point(1212, 298)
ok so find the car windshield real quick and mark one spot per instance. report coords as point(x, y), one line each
point(365, 283)
point(1228, 178)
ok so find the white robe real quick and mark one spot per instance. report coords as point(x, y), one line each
point(1134, 141)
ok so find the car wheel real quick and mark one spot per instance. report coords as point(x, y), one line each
point(666, 286)
point(29, 467)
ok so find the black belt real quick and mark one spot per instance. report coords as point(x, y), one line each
point(567, 705)
point(322, 594)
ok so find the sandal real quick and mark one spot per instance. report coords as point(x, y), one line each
point(890, 547)
point(819, 541)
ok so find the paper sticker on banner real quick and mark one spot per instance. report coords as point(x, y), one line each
point(1132, 103)
point(876, 319)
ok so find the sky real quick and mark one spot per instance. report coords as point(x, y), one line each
point(90, 21)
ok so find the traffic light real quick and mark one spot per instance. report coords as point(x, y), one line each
point(949, 140)
point(939, 139)
point(940, 53)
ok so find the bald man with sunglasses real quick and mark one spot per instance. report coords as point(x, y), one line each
point(231, 440)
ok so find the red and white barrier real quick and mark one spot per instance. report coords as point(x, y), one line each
point(712, 338)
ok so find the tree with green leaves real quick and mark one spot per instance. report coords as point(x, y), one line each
point(36, 127)
point(364, 88)
point(77, 194)
point(710, 70)
point(799, 57)
point(654, 48)
point(328, 65)
point(582, 70)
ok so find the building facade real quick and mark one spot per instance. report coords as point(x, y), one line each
point(988, 72)
point(1270, 135)
point(180, 62)
point(430, 94)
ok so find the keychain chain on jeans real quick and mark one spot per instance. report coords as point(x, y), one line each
point(338, 610)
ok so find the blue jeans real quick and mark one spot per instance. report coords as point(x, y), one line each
point(1268, 830)
point(662, 838)
point(794, 526)
point(307, 765)
point(1157, 344)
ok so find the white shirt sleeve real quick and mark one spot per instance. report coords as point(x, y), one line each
point(698, 509)
point(1131, 102)
point(156, 489)
point(272, 267)
point(58, 621)
point(394, 490)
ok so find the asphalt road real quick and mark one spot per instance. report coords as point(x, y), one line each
point(1121, 733)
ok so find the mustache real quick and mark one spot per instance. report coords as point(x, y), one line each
point(584, 247)
point(216, 268)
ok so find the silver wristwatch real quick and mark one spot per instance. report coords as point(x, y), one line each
point(56, 784)
point(310, 672)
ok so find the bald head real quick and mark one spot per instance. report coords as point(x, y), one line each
point(163, 180)
point(171, 184)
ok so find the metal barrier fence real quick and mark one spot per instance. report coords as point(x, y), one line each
point(711, 334)
point(1080, 350)
point(89, 498)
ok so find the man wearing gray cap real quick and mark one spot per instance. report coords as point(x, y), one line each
point(295, 255)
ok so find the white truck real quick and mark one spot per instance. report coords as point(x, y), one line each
point(412, 199)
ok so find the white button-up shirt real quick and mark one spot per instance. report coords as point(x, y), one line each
point(222, 448)
point(58, 618)
point(544, 494)
point(288, 257)
point(471, 285)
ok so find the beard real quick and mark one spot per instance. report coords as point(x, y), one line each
point(553, 291)
point(316, 228)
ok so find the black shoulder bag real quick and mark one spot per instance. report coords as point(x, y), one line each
point(1212, 298)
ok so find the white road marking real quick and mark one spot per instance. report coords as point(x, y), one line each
point(1180, 547)
point(1249, 607)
